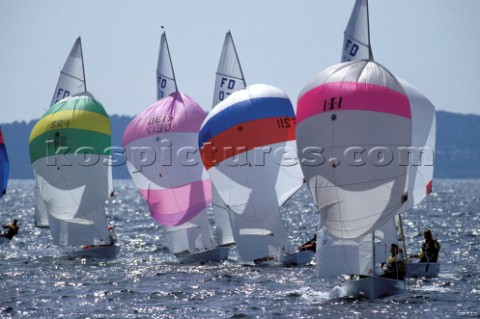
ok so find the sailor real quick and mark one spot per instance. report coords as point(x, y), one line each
point(12, 229)
point(430, 248)
point(112, 235)
point(394, 267)
point(310, 245)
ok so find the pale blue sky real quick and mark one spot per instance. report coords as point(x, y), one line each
point(433, 44)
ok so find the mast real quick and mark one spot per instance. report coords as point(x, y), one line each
point(83, 65)
point(170, 59)
point(236, 55)
point(373, 253)
point(370, 53)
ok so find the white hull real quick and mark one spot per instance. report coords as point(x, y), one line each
point(299, 258)
point(106, 252)
point(373, 287)
point(427, 270)
point(216, 254)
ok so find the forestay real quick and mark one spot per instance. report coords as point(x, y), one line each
point(248, 147)
point(70, 151)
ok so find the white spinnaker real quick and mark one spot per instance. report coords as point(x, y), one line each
point(75, 199)
point(356, 198)
point(356, 41)
point(170, 157)
point(357, 47)
point(166, 82)
point(254, 189)
point(228, 79)
point(422, 155)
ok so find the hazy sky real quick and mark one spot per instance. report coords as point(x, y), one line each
point(433, 44)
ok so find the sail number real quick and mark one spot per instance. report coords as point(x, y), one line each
point(59, 124)
point(158, 124)
point(285, 122)
point(162, 82)
point(226, 84)
point(351, 48)
point(332, 103)
point(61, 94)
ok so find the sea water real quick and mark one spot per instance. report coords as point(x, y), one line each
point(146, 281)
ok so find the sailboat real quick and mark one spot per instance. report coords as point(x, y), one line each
point(228, 79)
point(70, 151)
point(356, 46)
point(70, 82)
point(70, 190)
point(175, 184)
point(4, 172)
point(246, 143)
point(357, 116)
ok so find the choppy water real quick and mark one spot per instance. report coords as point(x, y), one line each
point(147, 282)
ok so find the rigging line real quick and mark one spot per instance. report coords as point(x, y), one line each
point(171, 63)
point(83, 65)
point(370, 53)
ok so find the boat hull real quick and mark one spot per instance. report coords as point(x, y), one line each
point(216, 254)
point(105, 252)
point(426, 270)
point(373, 287)
point(299, 258)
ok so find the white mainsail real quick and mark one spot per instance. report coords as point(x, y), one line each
point(166, 81)
point(228, 79)
point(72, 77)
point(356, 41)
point(71, 81)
